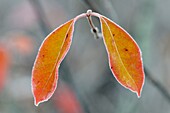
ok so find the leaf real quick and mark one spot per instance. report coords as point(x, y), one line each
point(51, 53)
point(124, 56)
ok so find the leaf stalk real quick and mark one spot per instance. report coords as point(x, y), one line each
point(94, 29)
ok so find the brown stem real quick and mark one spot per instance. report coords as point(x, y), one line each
point(94, 29)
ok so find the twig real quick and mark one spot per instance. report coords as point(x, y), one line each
point(94, 29)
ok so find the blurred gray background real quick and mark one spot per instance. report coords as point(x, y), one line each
point(86, 84)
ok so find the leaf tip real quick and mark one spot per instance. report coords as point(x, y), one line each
point(138, 94)
point(140, 90)
point(37, 101)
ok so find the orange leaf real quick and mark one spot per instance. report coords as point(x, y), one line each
point(51, 53)
point(124, 56)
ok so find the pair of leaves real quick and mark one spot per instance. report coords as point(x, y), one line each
point(124, 58)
